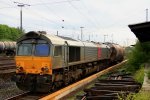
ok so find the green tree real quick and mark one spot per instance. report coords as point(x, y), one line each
point(9, 33)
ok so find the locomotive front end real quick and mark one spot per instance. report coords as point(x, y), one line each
point(33, 63)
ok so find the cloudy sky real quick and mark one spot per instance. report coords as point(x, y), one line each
point(103, 20)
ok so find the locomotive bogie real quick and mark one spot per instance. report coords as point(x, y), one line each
point(33, 82)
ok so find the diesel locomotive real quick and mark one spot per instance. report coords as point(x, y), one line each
point(45, 62)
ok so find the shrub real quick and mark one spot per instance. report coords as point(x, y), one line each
point(139, 75)
point(142, 95)
point(139, 55)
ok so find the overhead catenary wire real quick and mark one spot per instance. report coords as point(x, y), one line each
point(51, 11)
point(41, 16)
point(35, 13)
point(88, 20)
point(44, 17)
point(51, 21)
point(61, 19)
point(77, 9)
point(21, 5)
point(94, 21)
point(83, 15)
point(57, 2)
point(7, 5)
point(93, 18)
point(52, 3)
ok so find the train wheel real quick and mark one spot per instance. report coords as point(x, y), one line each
point(54, 88)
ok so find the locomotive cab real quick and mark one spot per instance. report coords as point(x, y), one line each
point(33, 56)
point(33, 63)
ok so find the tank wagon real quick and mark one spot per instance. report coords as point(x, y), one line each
point(117, 52)
point(8, 47)
point(45, 62)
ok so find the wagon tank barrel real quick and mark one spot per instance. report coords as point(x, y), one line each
point(7, 45)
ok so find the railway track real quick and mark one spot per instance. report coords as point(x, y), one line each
point(7, 65)
point(18, 96)
point(111, 89)
point(63, 93)
point(26, 96)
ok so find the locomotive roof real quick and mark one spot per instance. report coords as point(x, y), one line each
point(90, 44)
point(55, 40)
point(58, 40)
point(67, 38)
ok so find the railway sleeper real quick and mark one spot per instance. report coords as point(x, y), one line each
point(6, 67)
point(115, 81)
point(116, 84)
point(121, 78)
point(101, 97)
point(131, 88)
point(102, 92)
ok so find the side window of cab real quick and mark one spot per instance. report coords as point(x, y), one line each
point(58, 51)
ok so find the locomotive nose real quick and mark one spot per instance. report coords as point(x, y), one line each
point(33, 73)
point(33, 65)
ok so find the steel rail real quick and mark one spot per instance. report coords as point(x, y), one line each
point(17, 97)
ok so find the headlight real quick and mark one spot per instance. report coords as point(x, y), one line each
point(19, 68)
point(44, 69)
